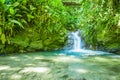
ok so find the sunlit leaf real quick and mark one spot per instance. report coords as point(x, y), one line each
point(0, 31)
point(32, 7)
point(11, 10)
point(30, 17)
point(24, 1)
point(2, 1)
point(18, 15)
point(3, 39)
point(24, 21)
point(16, 4)
point(17, 22)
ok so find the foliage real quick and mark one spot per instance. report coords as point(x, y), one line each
point(12, 19)
point(99, 23)
point(73, 19)
point(29, 25)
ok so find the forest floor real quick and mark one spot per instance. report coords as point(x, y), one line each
point(36, 66)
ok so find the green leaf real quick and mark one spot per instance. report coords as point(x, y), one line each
point(2, 1)
point(3, 39)
point(32, 7)
point(6, 7)
point(24, 2)
point(23, 21)
point(17, 22)
point(11, 10)
point(30, 17)
point(0, 31)
point(15, 4)
point(18, 15)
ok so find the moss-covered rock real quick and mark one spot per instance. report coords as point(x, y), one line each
point(36, 45)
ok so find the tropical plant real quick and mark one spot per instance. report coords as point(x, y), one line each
point(98, 22)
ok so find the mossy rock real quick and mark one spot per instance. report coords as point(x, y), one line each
point(36, 44)
point(11, 49)
point(47, 42)
point(20, 40)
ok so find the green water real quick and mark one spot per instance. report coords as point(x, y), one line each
point(60, 66)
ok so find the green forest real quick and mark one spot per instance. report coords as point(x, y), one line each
point(40, 25)
point(34, 35)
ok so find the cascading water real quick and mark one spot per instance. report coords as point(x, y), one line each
point(74, 42)
point(77, 45)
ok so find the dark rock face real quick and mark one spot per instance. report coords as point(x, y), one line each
point(116, 51)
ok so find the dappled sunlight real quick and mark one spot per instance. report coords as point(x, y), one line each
point(62, 59)
point(8, 68)
point(61, 54)
point(15, 58)
point(35, 69)
point(16, 77)
point(58, 67)
point(119, 23)
point(27, 57)
point(81, 70)
point(66, 59)
point(30, 64)
point(12, 57)
point(4, 67)
point(38, 57)
point(101, 59)
point(59, 39)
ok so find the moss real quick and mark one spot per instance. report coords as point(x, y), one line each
point(36, 44)
point(47, 42)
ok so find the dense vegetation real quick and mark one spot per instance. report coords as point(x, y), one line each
point(28, 25)
point(31, 25)
point(99, 21)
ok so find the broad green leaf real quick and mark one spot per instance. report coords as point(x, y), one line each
point(2, 1)
point(17, 22)
point(3, 39)
point(11, 10)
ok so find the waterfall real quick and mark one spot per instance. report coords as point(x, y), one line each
point(77, 40)
point(77, 45)
point(74, 42)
